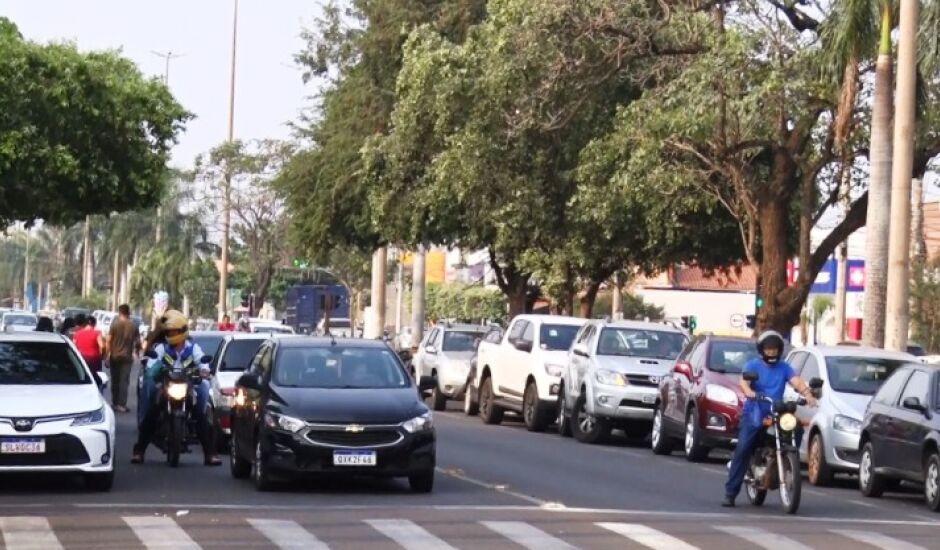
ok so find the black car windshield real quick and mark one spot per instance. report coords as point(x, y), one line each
point(29, 363)
point(862, 375)
point(20, 320)
point(339, 367)
point(730, 356)
point(208, 343)
point(557, 337)
point(455, 340)
point(631, 342)
point(238, 354)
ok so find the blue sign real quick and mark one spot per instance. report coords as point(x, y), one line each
point(826, 279)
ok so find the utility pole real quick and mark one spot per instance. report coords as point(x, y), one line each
point(86, 259)
point(167, 57)
point(616, 301)
point(399, 293)
point(417, 297)
point(897, 316)
point(227, 178)
point(26, 272)
point(377, 300)
point(842, 259)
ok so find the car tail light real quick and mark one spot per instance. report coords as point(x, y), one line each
point(683, 368)
point(228, 392)
point(225, 421)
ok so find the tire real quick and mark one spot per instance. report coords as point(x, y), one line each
point(423, 482)
point(694, 450)
point(791, 485)
point(659, 441)
point(563, 420)
point(239, 467)
point(932, 482)
point(470, 407)
point(870, 483)
point(586, 428)
point(490, 412)
point(438, 399)
point(754, 495)
point(536, 418)
point(100, 483)
point(818, 471)
point(174, 440)
point(260, 475)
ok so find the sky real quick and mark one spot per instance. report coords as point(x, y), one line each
point(269, 91)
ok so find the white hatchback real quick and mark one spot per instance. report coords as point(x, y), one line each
point(53, 417)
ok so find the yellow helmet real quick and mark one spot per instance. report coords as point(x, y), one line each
point(175, 327)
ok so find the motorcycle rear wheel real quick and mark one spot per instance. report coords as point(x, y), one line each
point(791, 484)
point(174, 440)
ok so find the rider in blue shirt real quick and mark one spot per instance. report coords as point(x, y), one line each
point(773, 375)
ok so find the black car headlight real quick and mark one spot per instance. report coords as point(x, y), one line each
point(423, 423)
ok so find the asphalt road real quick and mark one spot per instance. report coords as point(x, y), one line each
point(497, 487)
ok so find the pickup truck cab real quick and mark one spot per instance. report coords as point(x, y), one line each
point(522, 372)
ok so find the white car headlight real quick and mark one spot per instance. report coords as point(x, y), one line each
point(422, 423)
point(284, 422)
point(554, 370)
point(177, 391)
point(721, 394)
point(846, 424)
point(610, 378)
point(89, 418)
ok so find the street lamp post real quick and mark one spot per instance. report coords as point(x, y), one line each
point(227, 177)
point(168, 56)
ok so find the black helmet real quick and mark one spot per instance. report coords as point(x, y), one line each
point(770, 338)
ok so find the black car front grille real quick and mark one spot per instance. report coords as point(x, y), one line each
point(366, 438)
point(61, 450)
point(637, 403)
point(642, 380)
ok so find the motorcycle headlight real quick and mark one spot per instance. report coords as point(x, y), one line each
point(610, 378)
point(89, 418)
point(721, 394)
point(554, 370)
point(421, 423)
point(177, 391)
point(788, 422)
point(284, 422)
point(846, 424)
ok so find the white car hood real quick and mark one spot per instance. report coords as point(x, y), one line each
point(228, 378)
point(47, 400)
point(849, 404)
point(634, 365)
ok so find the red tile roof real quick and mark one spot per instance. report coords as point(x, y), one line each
point(737, 279)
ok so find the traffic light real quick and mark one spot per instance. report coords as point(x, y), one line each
point(759, 295)
point(693, 323)
point(751, 321)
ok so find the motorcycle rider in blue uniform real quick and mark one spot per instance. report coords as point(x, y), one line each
point(176, 350)
point(773, 375)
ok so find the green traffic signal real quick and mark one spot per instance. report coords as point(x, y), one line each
point(758, 301)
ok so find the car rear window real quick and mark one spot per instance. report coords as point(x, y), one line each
point(557, 337)
point(455, 340)
point(209, 344)
point(339, 367)
point(861, 375)
point(20, 320)
point(40, 363)
point(729, 356)
point(238, 354)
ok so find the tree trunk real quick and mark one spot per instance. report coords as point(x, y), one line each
point(418, 303)
point(616, 302)
point(116, 282)
point(918, 243)
point(879, 194)
point(86, 258)
point(588, 299)
point(518, 295)
point(773, 269)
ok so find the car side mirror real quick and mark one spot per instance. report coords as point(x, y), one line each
point(683, 368)
point(405, 355)
point(523, 345)
point(815, 383)
point(580, 349)
point(103, 379)
point(750, 376)
point(250, 381)
point(913, 404)
point(206, 359)
point(427, 383)
point(431, 350)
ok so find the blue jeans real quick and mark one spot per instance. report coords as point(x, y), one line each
point(748, 437)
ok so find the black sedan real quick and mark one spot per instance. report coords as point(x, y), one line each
point(900, 437)
point(309, 406)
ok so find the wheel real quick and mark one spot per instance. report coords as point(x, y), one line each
point(100, 483)
point(694, 450)
point(423, 482)
point(587, 428)
point(535, 416)
point(470, 407)
point(791, 484)
point(239, 467)
point(870, 483)
point(262, 478)
point(754, 495)
point(818, 471)
point(563, 420)
point(659, 441)
point(174, 440)
point(438, 399)
point(932, 482)
point(490, 412)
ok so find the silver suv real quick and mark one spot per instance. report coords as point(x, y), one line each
point(612, 377)
point(445, 354)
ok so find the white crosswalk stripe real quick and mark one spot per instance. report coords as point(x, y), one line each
point(526, 535)
point(28, 533)
point(647, 536)
point(877, 540)
point(287, 535)
point(762, 538)
point(408, 534)
point(156, 532)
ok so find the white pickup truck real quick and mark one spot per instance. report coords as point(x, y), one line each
point(522, 371)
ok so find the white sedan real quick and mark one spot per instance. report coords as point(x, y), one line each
point(52, 415)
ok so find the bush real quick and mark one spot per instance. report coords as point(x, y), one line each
point(464, 303)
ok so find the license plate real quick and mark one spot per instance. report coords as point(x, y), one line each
point(22, 446)
point(649, 399)
point(353, 458)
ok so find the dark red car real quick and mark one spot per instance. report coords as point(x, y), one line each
point(700, 401)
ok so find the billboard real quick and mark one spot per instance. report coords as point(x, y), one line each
point(826, 279)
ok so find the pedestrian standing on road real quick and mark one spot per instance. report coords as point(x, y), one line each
point(123, 345)
point(226, 325)
point(68, 327)
point(88, 341)
point(45, 325)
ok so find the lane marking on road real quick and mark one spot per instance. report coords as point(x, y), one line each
point(160, 532)
point(647, 536)
point(499, 488)
point(877, 540)
point(408, 534)
point(28, 533)
point(527, 535)
point(763, 538)
point(287, 535)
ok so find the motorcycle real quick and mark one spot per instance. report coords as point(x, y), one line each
point(775, 463)
point(177, 427)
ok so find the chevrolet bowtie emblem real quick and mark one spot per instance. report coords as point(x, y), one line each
point(354, 428)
